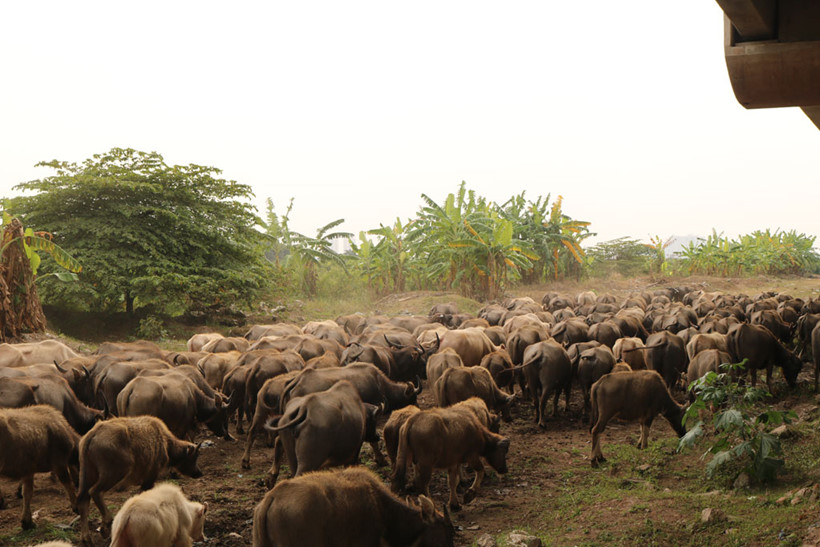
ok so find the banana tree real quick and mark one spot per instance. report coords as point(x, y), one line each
point(307, 253)
point(494, 254)
point(20, 308)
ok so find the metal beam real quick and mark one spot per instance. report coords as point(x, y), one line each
point(753, 19)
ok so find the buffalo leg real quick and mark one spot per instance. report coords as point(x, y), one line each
point(28, 490)
point(769, 379)
point(106, 516)
point(83, 501)
point(381, 461)
point(64, 477)
point(421, 479)
point(253, 431)
point(542, 407)
point(2, 501)
point(597, 456)
point(566, 396)
point(454, 473)
point(643, 441)
point(471, 492)
point(536, 402)
point(273, 472)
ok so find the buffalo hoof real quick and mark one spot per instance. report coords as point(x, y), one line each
point(246, 464)
point(228, 437)
point(595, 462)
point(28, 524)
point(455, 507)
point(542, 425)
point(2, 502)
point(270, 481)
point(469, 495)
point(240, 430)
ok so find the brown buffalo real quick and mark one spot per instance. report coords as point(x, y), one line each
point(372, 384)
point(29, 353)
point(606, 333)
point(501, 369)
point(700, 342)
point(548, 371)
point(324, 429)
point(266, 367)
point(177, 401)
point(48, 390)
point(708, 360)
point(815, 349)
point(763, 351)
point(443, 438)
point(222, 345)
point(441, 361)
point(199, 341)
point(36, 439)
point(638, 396)
point(268, 405)
point(280, 329)
point(125, 452)
point(592, 365)
point(635, 359)
point(371, 517)
point(470, 344)
point(462, 383)
point(377, 355)
point(215, 366)
point(326, 330)
point(111, 382)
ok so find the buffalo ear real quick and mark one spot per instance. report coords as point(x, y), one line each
point(203, 509)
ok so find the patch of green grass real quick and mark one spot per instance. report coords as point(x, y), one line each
point(42, 533)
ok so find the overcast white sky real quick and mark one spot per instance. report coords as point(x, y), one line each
point(356, 108)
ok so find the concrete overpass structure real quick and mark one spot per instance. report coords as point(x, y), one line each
point(773, 53)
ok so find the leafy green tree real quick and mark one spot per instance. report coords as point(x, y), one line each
point(626, 256)
point(148, 233)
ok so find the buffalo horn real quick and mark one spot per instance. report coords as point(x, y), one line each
point(392, 344)
point(61, 369)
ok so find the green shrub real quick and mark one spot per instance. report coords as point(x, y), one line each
point(152, 328)
point(742, 432)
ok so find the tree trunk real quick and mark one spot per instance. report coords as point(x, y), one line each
point(129, 304)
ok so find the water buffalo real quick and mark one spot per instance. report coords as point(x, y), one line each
point(763, 351)
point(371, 517)
point(638, 396)
point(324, 429)
point(127, 451)
point(442, 438)
point(36, 439)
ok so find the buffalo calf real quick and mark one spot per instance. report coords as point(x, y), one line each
point(160, 517)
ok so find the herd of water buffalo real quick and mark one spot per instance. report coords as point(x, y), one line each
point(318, 392)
